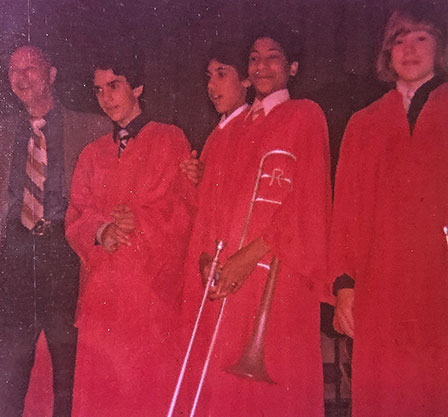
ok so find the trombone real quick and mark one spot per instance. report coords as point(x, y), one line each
point(251, 364)
point(210, 278)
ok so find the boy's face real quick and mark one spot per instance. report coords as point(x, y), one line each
point(269, 70)
point(413, 57)
point(116, 97)
point(30, 76)
point(225, 89)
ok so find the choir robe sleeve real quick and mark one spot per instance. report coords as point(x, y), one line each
point(351, 227)
point(84, 216)
point(344, 208)
point(165, 212)
point(207, 146)
point(162, 200)
point(298, 232)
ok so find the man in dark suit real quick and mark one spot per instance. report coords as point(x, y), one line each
point(39, 272)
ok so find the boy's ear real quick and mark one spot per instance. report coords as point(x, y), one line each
point(52, 73)
point(293, 68)
point(138, 91)
point(246, 83)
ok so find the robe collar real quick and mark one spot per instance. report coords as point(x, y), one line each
point(420, 98)
point(272, 100)
point(133, 128)
point(226, 120)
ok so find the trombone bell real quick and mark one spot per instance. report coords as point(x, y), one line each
point(251, 364)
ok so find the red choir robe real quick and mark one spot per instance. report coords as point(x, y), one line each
point(296, 230)
point(391, 203)
point(130, 300)
point(39, 397)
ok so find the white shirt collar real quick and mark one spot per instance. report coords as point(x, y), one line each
point(225, 120)
point(406, 93)
point(273, 100)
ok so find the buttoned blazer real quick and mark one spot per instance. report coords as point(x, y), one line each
point(78, 129)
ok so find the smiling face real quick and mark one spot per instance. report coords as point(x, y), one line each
point(225, 89)
point(413, 57)
point(116, 97)
point(30, 76)
point(269, 70)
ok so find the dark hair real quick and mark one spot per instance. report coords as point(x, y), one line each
point(127, 65)
point(230, 53)
point(415, 15)
point(289, 39)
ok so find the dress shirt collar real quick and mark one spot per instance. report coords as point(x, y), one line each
point(133, 128)
point(53, 114)
point(409, 93)
point(273, 100)
point(406, 93)
point(225, 120)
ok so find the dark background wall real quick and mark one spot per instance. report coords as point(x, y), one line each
point(340, 39)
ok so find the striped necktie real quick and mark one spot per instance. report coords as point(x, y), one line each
point(36, 173)
point(256, 110)
point(124, 137)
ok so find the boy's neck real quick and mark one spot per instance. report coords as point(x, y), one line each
point(124, 123)
point(236, 107)
point(274, 99)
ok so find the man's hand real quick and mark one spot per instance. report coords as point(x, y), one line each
point(344, 310)
point(193, 168)
point(238, 268)
point(123, 218)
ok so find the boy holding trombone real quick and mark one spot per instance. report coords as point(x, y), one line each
point(266, 193)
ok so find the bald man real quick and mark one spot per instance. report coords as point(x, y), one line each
point(39, 272)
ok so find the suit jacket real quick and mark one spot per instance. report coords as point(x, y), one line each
point(79, 129)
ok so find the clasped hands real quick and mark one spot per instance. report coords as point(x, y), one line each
point(117, 232)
